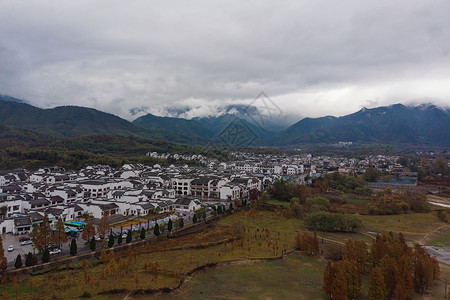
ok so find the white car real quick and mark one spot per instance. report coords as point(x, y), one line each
point(27, 242)
point(11, 248)
point(55, 251)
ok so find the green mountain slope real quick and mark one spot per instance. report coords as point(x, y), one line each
point(183, 127)
point(395, 124)
point(73, 121)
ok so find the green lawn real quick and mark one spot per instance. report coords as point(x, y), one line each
point(442, 240)
point(414, 226)
point(280, 203)
point(294, 277)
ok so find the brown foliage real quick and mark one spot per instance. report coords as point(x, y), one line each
point(88, 232)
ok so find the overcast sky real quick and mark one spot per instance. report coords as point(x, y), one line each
point(312, 58)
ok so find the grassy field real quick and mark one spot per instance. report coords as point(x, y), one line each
point(280, 203)
point(441, 240)
point(293, 277)
point(235, 241)
point(415, 226)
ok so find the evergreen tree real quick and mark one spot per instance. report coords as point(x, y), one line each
point(181, 223)
point(3, 261)
point(156, 230)
point(46, 256)
point(111, 241)
point(119, 239)
point(129, 236)
point(169, 225)
point(18, 263)
point(29, 259)
point(194, 220)
point(92, 244)
point(73, 247)
point(219, 210)
point(142, 235)
point(231, 207)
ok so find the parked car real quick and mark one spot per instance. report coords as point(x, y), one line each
point(11, 248)
point(55, 251)
point(26, 242)
point(24, 238)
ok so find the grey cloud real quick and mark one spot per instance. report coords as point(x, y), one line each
point(311, 57)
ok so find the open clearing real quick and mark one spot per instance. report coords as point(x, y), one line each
point(242, 272)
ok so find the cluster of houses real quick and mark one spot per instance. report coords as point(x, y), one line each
point(133, 190)
point(138, 190)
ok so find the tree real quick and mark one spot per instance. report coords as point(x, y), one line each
point(43, 236)
point(29, 260)
point(3, 261)
point(59, 235)
point(156, 229)
point(88, 232)
point(357, 251)
point(46, 256)
point(339, 282)
point(353, 277)
point(129, 236)
point(92, 244)
point(142, 235)
point(371, 174)
point(219, 210)
point(441, 166)
point(296, 210)
point(18, 263)
point(377, 285)
point(169, 225)
point(194, 219)
point(103, 227)
point(119, 239)
point(280, 190)
point(111, 241)
point(327, 279)
point(73, 247)
point(181, 223)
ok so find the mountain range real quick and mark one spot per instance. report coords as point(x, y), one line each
point(395, 124)
point(425, 125)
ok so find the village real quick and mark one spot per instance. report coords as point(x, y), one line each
point(137, 190)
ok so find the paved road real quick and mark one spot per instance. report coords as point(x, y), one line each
point(10, 239)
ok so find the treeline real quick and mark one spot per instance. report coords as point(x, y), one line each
point(75, 153)
point(395, 269)
point(426, 166)
point(326, 221)
point(388, 203)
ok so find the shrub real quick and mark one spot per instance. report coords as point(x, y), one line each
point(326, 221)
